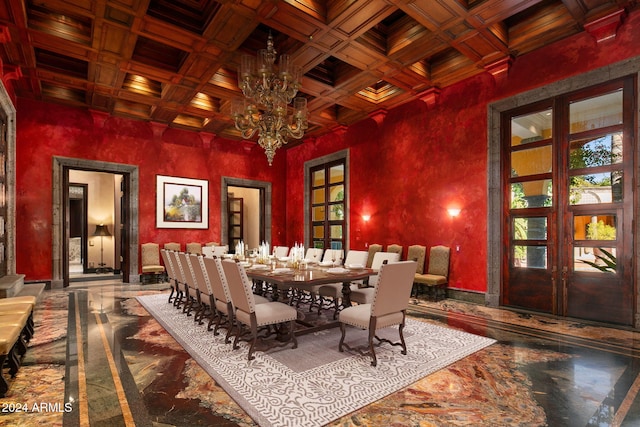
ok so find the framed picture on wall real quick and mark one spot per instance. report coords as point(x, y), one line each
point(182, 202)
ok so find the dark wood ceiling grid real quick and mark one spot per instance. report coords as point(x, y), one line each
point(174, 61)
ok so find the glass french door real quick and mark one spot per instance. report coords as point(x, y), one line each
point(328, 205)
point(568, 205)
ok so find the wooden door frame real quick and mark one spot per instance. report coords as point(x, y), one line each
point(61, 165)
point(494, 178)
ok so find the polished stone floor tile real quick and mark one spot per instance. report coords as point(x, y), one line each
point(99, 359)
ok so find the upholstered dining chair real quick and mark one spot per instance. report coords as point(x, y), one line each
point(334, 290)
point(281, 251)
point(173, 246)
point(417, 253)
point(298, 296)
point(191, 290)
point(314, 254)
point(372, 251)
point(396, 249)
point(150, 260)
point(388, 308)
point(214, 250)
point(221, 297)
point(333, 255)
point(194, 248)
point(203, 288)
point(179, 270)
point(437, 275)
point(172, 277)
point(365, 295)
point(255, 316)
point(222, 302)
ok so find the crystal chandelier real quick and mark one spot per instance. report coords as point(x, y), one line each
point(268, 90)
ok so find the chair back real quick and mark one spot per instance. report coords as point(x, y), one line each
point(329, 255)
point(417, 253)
point(212, 244)
point(214, 250)
point(172, 246)
point(179, 268)
point(217, 279)
point(394, 288)
point(314, 254)
point(194, 248)
point(239, 286)
point(356, 258)
point(380, 257)
point(199, 274)
point(397, 249)
point(281, 251)
point(168, 263)
point(372, 251)
point(439, 261)
point(150, 254)
point(185, 260)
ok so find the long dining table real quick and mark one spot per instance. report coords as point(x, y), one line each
point(304, 279)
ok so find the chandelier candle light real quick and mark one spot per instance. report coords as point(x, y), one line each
point(268, 90)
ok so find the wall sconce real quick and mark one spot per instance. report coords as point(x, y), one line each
point(366, 218)
point(453, 212)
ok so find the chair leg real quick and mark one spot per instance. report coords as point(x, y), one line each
point(343, 331)
point(374, 360)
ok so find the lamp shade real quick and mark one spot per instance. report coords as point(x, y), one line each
point(101, 230)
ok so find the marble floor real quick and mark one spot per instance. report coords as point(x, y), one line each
point(98, 359)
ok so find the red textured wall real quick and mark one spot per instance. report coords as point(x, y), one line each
point(44, 131)
point(421, 160)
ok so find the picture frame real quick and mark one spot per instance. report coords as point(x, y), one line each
point(182, 202)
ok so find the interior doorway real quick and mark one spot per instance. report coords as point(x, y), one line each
point(255, 219)
point(124, 222)
point(94, 225)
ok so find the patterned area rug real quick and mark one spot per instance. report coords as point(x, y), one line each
point(315, 383)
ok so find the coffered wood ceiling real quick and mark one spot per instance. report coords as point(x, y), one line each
point(174, 61)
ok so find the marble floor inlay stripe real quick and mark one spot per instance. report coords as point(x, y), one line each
point(122, 398)
point(83, 400)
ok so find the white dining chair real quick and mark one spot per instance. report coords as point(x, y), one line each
point(329, 296)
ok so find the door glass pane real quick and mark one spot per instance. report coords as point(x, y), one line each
point(318, 232)
point(595, 188)
point(531, 194)
point(336, 231)
point(531, 127)
point(336, 174)
point(337, 212)
point(595, 259)
point(336, 193)
point(530, 228)
point(596, 112)
point(594, 227)
point(318, 213)
point(591, 152)
point(532, 161)
point(318, 196)
point(318, 178)
point(526, 256)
